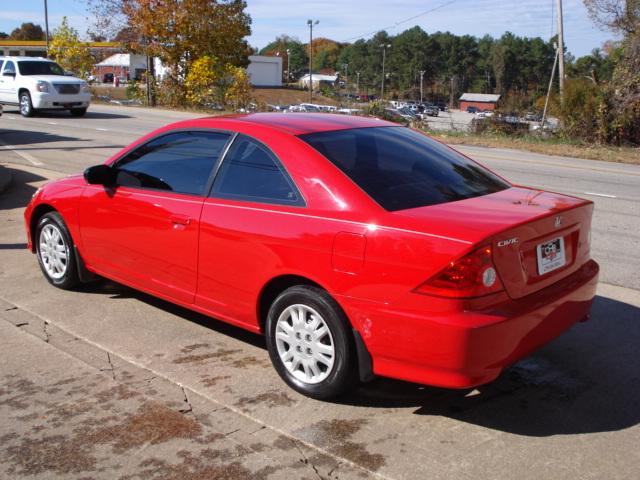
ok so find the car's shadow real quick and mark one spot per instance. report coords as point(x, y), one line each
point(586, 381)
point(62, 114)
point(18, 191)
point(27, 137)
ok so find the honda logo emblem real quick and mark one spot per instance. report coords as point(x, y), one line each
point(558, 222)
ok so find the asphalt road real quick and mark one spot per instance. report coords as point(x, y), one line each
point(75, 392)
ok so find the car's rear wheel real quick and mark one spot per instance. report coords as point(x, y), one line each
point(310, 343)
point(55, 251)
point(78, 112)
point(26, 107)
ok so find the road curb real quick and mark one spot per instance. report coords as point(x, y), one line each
point(5, 178)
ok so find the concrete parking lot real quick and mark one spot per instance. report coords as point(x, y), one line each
point(107, 382)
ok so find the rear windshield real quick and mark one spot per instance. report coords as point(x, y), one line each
point(400, 168)
point(31, 67)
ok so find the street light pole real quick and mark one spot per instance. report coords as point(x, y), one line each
point(46, 28)
point(311, 23)
point(358, 84)
point(288, 66)
point(384, 54)
point(421, 77)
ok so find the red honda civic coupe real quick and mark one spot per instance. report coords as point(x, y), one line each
point(358, 247)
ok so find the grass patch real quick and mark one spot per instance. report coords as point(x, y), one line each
point(547, 146)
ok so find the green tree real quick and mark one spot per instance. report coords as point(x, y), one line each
point(296, 59)
point(72, 54)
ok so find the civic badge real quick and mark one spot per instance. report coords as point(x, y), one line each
point(558, 222)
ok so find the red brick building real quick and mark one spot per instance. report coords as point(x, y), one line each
point(482, 101)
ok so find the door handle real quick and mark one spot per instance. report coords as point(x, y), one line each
point(180, 219)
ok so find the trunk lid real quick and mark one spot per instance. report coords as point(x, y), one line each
point(521, 225)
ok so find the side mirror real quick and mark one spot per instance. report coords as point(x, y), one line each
point(9, 74)
point(100, 175)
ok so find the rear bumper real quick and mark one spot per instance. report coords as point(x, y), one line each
point(433, 341)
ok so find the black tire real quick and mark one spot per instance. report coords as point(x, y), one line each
point(78, 112)
point(67, 277)
point(26, 106)
point(342, 376)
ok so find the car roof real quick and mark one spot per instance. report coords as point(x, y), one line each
point(300, 123)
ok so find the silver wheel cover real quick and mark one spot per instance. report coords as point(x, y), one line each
point(305, 344)
point(53, 251)
point(24, 104)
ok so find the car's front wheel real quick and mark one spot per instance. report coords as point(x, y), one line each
point(310, 343)
point(26, 106)
point(55, 251)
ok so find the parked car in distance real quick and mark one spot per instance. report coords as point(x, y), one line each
point(356, 246)
point(532, 117)
point(431, 110)
point(472, 109)
point(33, 84)
point(484, 113)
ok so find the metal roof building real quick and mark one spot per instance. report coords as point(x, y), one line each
point(482, 101)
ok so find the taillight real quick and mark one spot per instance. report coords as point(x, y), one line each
point(473, 275)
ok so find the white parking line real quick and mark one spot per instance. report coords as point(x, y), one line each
point(103, 129)
point(52, 123)
point(24, 155)
point(600, 194)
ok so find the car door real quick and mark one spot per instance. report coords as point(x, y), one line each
point(8, 91)
point(241, 226)
point(144, 231)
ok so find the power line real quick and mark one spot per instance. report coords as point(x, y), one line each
point(396, 24)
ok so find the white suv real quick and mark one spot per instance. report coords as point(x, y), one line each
point(40, 84)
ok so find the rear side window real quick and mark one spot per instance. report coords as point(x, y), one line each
point(251, 172)
point(400, 168)
point(179, 162)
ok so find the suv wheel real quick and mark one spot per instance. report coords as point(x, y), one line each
point(26, 107)
point(310, 343)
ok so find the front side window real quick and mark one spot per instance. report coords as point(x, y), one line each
point(38, 67)
point(400, 168)
point(251, 172)
point(178, 162)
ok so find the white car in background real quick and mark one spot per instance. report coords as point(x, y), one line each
point(39, 84)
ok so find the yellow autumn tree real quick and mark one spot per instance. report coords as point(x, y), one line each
point(201, 83)
point(72, 54)
point(211, 82)
point(238, 93)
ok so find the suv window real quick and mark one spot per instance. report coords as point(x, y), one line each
point(179, 162)
point(400, 168)
point(9, 67)
point(1, 62)
point(38, 67)
point(251, 172)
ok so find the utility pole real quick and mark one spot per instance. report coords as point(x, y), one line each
point(358, 84)
point(421, 78)
point(311, 23)
point(46, 28)
point(345, 66)
point(560, 52)
point(546, 102)
point(384, 54)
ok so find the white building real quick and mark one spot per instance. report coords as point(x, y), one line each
point(317, 79)
point(265, 71)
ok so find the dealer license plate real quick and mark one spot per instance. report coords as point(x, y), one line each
point(551, 255)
